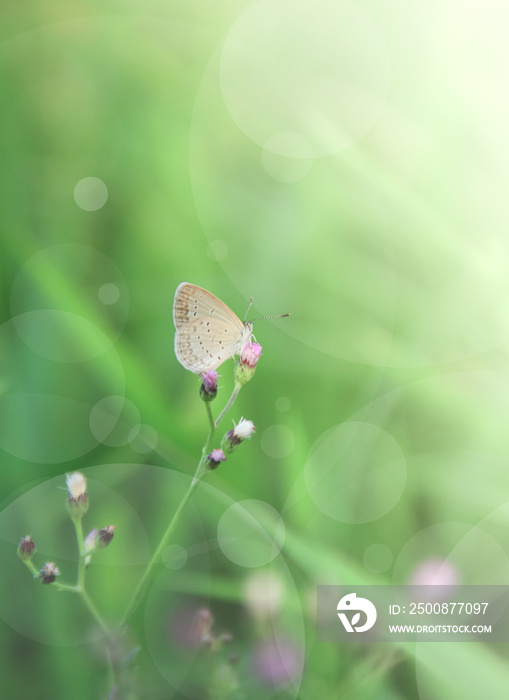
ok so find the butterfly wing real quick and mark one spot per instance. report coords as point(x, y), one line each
point(205, 344)
point(207, 330)
point(192, 302)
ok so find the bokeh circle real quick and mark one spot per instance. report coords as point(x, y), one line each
point(318, 70)
point(355, 472)
point(90, 193)
point(251, 533)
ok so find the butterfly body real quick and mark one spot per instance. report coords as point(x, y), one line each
point(207, 330)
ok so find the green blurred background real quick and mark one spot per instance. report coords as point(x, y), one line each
point(343, 162)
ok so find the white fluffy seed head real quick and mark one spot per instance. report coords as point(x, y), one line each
point(77, 485)
point(244, 429)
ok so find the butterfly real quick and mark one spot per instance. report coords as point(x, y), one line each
point(207, 330)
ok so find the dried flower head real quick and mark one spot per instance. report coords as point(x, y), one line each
point(104, 536)
point(76, 484)
point(77, 501)
point(49, 572)
point(26, 548)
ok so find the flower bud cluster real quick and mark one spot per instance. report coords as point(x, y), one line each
point(231, 440)
point(77, 505)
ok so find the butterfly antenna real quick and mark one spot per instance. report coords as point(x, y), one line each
point(247, 311)
point(263, 318)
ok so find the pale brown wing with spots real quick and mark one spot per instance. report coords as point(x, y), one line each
point(205, 344)
point(192, 302)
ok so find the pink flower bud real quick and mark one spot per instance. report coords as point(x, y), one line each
point(208, 389)
point(250, 354)
point(245, 369)
point(214, 457)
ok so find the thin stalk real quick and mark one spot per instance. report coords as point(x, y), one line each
point(108, 642)
point(59, 586)
point(229, 404)
point(200, 470)
point(29, 564)
point(162, 544)
point(81, 550)
point(80, 588)
point(198, 476)
point(65, 587)
point(93, 611)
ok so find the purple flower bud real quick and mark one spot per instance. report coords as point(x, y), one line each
point(89, 542)
point(208, 389)
point(278, 662)
point(214, 458)
point(49, 572)
point(26, 548)
point(250, 354)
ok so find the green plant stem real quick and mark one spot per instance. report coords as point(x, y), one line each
point(59, 586)
point(81, 590)
point(162, 544)
point(93, 611)
point(81, 550)
point(65, 587)
point(229, 404)
point(198, 476)
point(200, 470)
point(108, 642)
point(31, 568)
